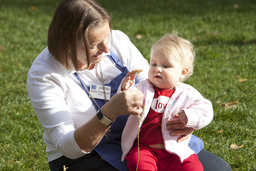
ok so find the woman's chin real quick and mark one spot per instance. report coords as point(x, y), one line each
point(83, 67)
point(96, 59)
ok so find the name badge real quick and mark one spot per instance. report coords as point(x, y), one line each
point(97, 92)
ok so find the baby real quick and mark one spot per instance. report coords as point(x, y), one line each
point(165, 97)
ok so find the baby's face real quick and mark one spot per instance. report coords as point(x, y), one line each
point(165, 72)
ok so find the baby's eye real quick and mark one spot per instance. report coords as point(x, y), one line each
point(153, 65)
point(166, 66)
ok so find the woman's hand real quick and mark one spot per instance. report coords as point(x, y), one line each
point(124, 103)
point(178, 128)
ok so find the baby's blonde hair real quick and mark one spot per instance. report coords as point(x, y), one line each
point(174, 46)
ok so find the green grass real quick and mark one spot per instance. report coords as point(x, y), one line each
point(224, 35)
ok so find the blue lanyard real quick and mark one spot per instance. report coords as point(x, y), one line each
point(86, 89)
point(97, 103)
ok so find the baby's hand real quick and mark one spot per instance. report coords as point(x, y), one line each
point(128, 81)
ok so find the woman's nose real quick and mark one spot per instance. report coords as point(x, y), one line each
point(103, 47)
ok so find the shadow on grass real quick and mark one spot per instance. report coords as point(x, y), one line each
point(235, 42)
point(135, 8)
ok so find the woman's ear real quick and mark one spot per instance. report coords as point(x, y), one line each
point(184, 74)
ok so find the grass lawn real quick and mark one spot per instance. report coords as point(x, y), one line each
point(224, 35)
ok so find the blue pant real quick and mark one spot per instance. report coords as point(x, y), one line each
point(89, 162)
point(211, 162)
point(93, 161)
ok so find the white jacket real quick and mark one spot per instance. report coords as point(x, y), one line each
point(198, 110)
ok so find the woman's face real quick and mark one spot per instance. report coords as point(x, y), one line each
point(98, 39)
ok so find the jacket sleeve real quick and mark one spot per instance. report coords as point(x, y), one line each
point(199, 110)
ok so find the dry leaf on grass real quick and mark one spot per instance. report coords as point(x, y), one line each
point(230, 104)
point(242, 80)
point(14, 161)
point(218, 101)
point(34, 8)
point(139, 36)
point(236, 6)
point(234, 146)
point(220, 131)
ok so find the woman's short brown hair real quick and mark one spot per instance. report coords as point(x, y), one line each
point(71, 21)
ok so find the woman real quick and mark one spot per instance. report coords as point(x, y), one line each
point(71, 82)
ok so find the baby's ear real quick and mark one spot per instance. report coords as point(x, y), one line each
point(184, 74)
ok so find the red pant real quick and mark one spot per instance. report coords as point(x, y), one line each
point(156, 159)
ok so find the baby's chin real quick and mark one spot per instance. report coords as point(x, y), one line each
point(162, 86)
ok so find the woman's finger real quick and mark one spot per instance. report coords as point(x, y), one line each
point(134, 101)
point(175, 126)
point(189, 131)
point(180, 132)
point(182, 138)
point(173, 121)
